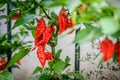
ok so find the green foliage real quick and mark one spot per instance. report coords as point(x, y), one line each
point(55, 69)
point(6, 75)
point(87, 34)
point(58, 66)
point(37, 69)
point(109, 25)
point(71, 4)
point(57, 55)
point(44, 77)
point(18, 56)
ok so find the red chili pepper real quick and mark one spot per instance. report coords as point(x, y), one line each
point(19, 63)
point(117, 49)
point(107, 49)
point(119, 55)
point(16, 16)
point(117, 45)
point(49, 56)
point(39, 32)
point(3, 64)
point(41, 55)
point(47, 35)
point(63, 21)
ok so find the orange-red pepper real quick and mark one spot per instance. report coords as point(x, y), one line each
point(43, 36)
point(117, 49)
point(63, 21)
point(107, 49)
point(16, 16)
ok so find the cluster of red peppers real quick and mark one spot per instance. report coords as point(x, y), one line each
point(44, 34)
point(108, 48)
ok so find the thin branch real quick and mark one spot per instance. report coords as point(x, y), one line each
point(44, 11)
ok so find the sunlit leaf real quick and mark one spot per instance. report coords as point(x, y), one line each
point(72, 4)
point(87, 35)
point(109, 25)
point(58, 66)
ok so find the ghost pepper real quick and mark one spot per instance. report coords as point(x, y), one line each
point(49, 56)
point(41, 56)
point(107, 49)
point(63, 21)
point(43, 36)
point(41, 26)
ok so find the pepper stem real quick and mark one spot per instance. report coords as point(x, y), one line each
point(53, 50)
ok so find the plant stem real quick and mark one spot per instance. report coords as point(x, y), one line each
point(53, 50)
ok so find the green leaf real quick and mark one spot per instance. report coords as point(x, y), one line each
point(2, 38)
point(79, 76)
point(51, 3)
point(109, 25)
point(59, 66)
point(6, 76)
point(18, 56)
point(1, 5)
point(44, 77)
point(57, 55)
point(72, 4)
point(76, 75)
point(100, 64)
point(50, 63)
point(2, 16)
point(33, 32)
point(117, 34)
point(15, 38)
point(53, 15)
point(87, 35)
point(15, 66)
point(67, 60)
point(24, 19)
point(114, 57)
point(37, 69)
point(36, 77)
